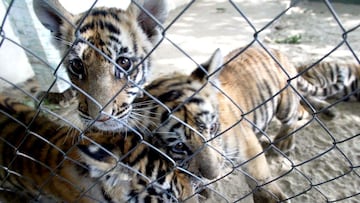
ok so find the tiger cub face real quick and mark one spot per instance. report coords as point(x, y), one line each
point(139, 181)
point(185, 118)
point(106, 55)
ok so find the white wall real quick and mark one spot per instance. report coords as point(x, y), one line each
point(14, 65)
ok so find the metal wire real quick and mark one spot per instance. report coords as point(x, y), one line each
point(312, 182)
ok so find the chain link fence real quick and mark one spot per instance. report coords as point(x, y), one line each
point(324, 165)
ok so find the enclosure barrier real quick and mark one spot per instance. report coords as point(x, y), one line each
point(309, 173)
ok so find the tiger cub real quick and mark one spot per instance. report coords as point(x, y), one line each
point(182, 111)
point(39, 158)
point(333, 81)
point(205, 118)
point(106, 54)
point(258, 85)
point(339, 79)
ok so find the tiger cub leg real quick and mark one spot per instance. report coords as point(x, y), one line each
point(321, 107)
point(285, 140)
point(291, 114)
point(258, 167)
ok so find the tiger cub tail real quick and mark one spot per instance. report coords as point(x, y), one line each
point(337, 80)
point(329, 80)
point(322, 80)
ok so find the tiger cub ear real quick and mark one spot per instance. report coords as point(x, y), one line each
point(51, 14)
point(157, 9)
point(205, 69)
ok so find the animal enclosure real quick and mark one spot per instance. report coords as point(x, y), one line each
point(323, 166)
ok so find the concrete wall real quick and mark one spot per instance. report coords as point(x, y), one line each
point(23, 27)
point(14, 64)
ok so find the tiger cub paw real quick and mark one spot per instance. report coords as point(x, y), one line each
point(270, 194)
point(285, 145)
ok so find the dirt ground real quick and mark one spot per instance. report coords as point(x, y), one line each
point(306, 33)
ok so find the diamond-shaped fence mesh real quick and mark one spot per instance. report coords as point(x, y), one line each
point(125, 104)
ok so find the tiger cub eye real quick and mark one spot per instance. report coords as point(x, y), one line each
point(76, 68)
point(125, 63)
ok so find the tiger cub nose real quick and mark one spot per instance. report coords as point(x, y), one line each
point(103, 118)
